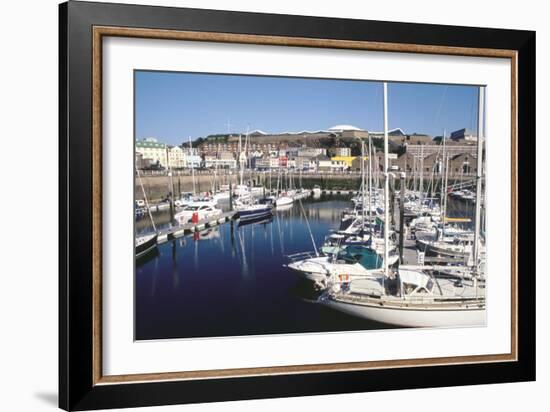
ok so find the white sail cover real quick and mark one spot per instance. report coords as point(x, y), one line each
point(413, 277)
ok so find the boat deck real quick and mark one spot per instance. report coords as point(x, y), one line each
point(445, 292)
point(181, 230)
point(446, 289)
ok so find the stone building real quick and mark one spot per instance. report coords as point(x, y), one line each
point(406, 163)
point(451, 147)
point(464, 164)
point(356, 163)
point(415, 139)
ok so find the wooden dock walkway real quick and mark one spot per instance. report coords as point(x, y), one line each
point(177, 231)
point(340, 192)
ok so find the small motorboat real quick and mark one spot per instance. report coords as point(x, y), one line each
point(145, 244)
point(202, 210)
point(247, 212)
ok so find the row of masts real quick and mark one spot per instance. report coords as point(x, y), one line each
point(444, 178)
point(446, 294)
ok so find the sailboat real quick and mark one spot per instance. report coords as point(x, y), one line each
point(219, 193)
point(355, 261)
point(244, 204)
point(448, 241)
point(144, 244)
point(415, 297)
point(349, 253)
point(284, 198)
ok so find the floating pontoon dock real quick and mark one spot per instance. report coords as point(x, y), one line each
point(181, 230)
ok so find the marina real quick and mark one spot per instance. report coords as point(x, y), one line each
point(231, 279)
point(254, 292)
point(365, 242)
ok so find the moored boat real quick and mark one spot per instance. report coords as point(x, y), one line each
point(283, 200)
point(418, 300)
point(247, 212)
point(198, 210)
point(145, 244)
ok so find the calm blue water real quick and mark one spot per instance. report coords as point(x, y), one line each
point(231, 281)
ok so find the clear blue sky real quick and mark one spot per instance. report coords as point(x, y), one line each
point(173, 106)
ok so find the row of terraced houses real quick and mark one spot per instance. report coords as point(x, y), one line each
point(304, 151)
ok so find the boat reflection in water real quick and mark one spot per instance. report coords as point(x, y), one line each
point(230, 280)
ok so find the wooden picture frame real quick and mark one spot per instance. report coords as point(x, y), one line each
point(82, 28)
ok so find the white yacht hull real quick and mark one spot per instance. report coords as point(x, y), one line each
point(283, 201)
point(221, 196)
point(319, 269)
point(412, 317)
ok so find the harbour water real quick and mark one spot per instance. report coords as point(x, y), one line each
point(231, 280)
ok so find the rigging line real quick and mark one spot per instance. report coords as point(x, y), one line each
point(441, 106)
point(308, 228)
point(146, 201)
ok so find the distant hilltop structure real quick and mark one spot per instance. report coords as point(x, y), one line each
point(464, 135)
point(338, 140)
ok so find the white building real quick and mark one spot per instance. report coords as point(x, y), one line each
point(305, 163)
point(193, 161)
point(213, 162)
point(152, 150)
point(274, 162)
point(311, 151)
point(176, 157)
point(342, 151)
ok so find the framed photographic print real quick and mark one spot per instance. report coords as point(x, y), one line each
point(257, 205)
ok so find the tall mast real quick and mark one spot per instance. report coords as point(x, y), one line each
point(241, 159)
point(415, 172)
point(169, 166)
point(245, 154)
point(386, 185)
point(479, 171)
point(192, 166)
point(445, 192)
point(246, 148)
point(216, 169)
point(421, 188)
point(370, 186)
point(443, 189)
point(363, 204)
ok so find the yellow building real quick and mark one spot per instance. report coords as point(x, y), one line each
point(346, 159)
point(351, 162)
